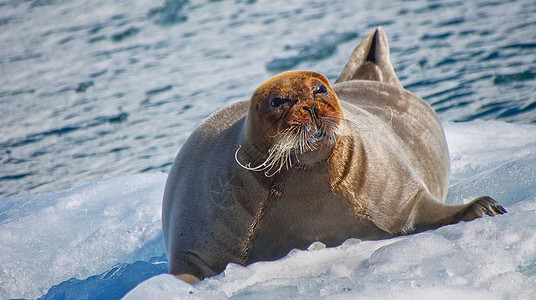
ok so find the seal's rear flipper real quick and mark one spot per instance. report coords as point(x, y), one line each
point(370, 61)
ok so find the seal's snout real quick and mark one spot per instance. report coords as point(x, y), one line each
point(313, 111)
point(314, 128)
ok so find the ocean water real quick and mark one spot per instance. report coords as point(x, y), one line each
point(96, 98)
point(94, 88)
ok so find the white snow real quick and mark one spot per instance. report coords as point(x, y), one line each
point(51, 237)
point(491, 258)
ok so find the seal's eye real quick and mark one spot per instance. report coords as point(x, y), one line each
point(320, 89)
point(278, 101)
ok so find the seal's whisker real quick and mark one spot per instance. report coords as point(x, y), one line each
point(278, 155)
point(296, 139)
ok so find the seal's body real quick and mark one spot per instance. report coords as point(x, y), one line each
point(304, 161)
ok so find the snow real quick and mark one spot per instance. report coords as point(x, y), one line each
point(485, 259)
point(51, 237)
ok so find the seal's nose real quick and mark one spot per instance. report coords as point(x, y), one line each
point(312, 111)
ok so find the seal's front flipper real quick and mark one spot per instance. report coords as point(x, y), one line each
point(370, 60)
point(481, 206)
point(430, 214)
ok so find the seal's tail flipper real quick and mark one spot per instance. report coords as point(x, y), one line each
point(370, 61)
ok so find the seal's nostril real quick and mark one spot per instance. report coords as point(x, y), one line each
point(312, 111)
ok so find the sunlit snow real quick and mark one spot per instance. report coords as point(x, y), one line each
point(51, 237)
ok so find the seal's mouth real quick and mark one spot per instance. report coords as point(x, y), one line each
point(315, 132)
point(312, 138)
point(319, 135)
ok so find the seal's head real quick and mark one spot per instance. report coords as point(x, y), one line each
point(293, 117)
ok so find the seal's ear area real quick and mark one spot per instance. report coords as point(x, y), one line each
point(319, 76)
point(370, 60)
point(272, 84)
point(285, 80)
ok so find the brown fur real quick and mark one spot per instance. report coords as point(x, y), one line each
point(297, 86)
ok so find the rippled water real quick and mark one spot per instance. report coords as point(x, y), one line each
point(94, 88)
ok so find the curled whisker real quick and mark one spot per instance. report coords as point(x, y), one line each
point(297, 139)
point(278, 155)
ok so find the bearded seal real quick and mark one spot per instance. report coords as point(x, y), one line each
point(304, 161)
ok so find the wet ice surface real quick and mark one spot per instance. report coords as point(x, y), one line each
point(113, 88)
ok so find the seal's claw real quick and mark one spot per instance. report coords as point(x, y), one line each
point(499, 209)
point(482, 206)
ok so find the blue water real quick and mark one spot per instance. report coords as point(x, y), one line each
point(96, 88)
point(93, 88)
point(112, 284)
